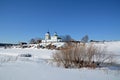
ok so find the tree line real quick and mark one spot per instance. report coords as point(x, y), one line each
point(65, 38)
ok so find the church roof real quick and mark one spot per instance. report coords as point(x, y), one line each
point(48, 33)
point(55, 34)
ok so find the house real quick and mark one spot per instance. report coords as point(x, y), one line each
point(23, 44)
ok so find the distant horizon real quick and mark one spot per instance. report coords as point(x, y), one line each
point(21, 20)
point(43, 37)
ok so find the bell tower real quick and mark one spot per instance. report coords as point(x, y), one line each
point(47, 36)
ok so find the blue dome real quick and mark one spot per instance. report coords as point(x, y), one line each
point(48, 33)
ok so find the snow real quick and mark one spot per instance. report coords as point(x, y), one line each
point(57, 44)
point(14, 67)
point(42, 71)
point(36, 53)
point(113, 47)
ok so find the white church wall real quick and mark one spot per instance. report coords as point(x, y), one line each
point(51, 39)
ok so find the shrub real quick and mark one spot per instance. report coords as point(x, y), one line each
point(25, 55)
point(7, 58)
point(85, 55)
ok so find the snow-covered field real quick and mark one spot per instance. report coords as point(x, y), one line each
point(15, 67)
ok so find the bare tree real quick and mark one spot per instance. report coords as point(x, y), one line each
point(85, 39)
point(35, 41)
point(38, 40)
point(67, 38)
point(32, 41)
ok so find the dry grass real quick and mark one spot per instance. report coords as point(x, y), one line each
point(78, 56)
point(7, 58)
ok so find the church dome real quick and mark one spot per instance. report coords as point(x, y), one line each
point(55, 34)
point(48, 33)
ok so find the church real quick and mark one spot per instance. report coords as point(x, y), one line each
point(52, 39)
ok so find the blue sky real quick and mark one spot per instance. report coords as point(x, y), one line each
point(21, 20)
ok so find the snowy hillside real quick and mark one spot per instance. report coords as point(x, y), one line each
point(15, 67)
point(113, 47)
